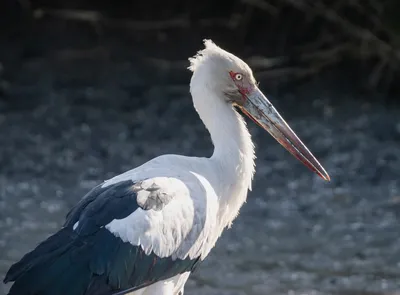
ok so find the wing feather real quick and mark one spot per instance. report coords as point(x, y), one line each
point(119, 236)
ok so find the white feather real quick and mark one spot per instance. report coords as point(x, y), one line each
point(205, 193)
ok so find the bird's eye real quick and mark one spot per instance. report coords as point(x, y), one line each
point(238, 77)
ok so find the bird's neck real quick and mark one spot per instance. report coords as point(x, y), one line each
point(233, 156)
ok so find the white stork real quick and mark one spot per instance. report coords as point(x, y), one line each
point(143, 232)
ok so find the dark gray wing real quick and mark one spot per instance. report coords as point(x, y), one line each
point(84, 258)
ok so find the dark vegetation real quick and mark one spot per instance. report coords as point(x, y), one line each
point(299, 37)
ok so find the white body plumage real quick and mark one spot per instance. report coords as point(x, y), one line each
point(207, 194)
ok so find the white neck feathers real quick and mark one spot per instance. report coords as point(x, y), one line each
point(233, 155)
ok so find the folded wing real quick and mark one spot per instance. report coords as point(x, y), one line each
point(122, 236)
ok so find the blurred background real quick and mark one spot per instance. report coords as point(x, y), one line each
point(90, 89)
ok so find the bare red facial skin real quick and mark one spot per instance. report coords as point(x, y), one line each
point(244, 87)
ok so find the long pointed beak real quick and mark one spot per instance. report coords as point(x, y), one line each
point(261, 111)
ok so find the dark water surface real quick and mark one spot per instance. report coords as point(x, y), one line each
point(68, 122)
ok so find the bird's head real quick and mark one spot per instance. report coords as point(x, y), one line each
point(231, 78)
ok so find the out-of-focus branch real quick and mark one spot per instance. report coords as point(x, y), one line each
point(373, 18)
point(260, 62)
point(353, 29)
point(317, 61)
point(263, 5)
point(360, 33)
point(329, 53)
point(96, 18)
